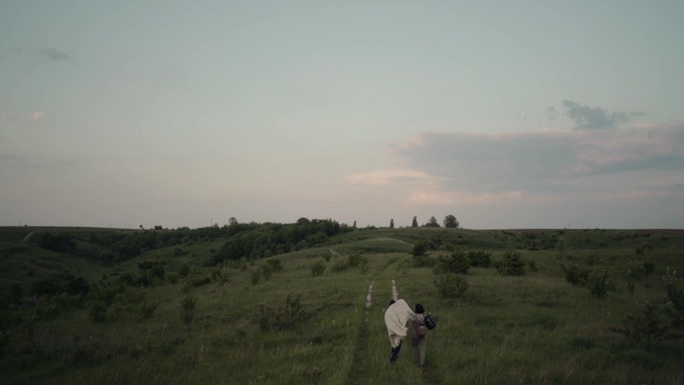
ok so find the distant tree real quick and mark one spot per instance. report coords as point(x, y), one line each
point(415, 222)
point(392, 223)
point(432, 223)
point(141, 226)
point(232, 221)
point(354, 224)
point(450, 221)
point(158, 227)
point(303, 221)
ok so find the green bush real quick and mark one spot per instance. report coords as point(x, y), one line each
point(598, 283)
point(649, 324)
point(636, 270)
point(674, 287)
point(173, 277)
point(457, 262)
point(511, 264)
point(184, 270)
point(421, 248)
point(480, 258)
point(574, 274)
point(317, 269)
point(98, 312)
point(256, 276)
point(284, 317)
point(188, 307)
point(275, 264)
point(451, 286)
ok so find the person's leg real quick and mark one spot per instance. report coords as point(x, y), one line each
point(395, 353)
point(422, 347)
point(415, 345)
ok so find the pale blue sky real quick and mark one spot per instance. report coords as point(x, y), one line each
point(506, 114)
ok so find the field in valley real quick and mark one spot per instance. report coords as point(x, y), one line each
point(81, 306)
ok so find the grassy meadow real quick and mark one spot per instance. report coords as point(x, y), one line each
point(172, 316)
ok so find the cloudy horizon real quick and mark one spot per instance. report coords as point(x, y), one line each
point(506, 116)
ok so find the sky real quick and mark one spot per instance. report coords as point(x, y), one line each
point(505, 114)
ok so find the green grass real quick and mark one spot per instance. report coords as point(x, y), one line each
point(533, 329)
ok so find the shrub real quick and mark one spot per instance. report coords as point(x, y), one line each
point(451, 286)
point(284, 317)
point(635, 270)
point(173, 277)
point(317, 269)
point(420, 248)
point(339, 266)
point(98, 312)
point(188, 306)
point(275, 264)
point(457, 263)
point(649, 324)
point(674, 286)
point(356, 260)
point(480, 258)
point(256, 276)
point(599, 284)
point(266, 272)
point(184, 270)
point(649, 267)
point(574, 274)
point(511, 264)
point(178, 252)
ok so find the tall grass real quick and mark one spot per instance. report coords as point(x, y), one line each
point(532, 329)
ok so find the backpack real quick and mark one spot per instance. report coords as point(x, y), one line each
point(429, 322)
point(420, 328)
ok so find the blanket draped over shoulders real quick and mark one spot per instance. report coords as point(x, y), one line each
point(396, 317)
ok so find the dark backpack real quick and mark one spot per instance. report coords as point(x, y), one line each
point(429, 322)
point(420, 328)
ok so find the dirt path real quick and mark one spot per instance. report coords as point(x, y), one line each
point(26, 238)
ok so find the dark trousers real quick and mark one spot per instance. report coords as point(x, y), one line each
point(395, 353)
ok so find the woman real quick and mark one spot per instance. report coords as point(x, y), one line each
point(419, 335)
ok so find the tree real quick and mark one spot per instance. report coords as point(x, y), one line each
point(450, 221)
point(392, 223)
point(232, 221)
point(354, 224)
point(432, 223)
point(415, 222)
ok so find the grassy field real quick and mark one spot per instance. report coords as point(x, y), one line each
point(273, 321)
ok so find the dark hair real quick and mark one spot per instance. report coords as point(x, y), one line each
point(392, 301)
point(420, 309)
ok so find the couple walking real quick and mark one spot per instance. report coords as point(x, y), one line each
point(399, 318)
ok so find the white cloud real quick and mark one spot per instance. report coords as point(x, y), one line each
point(389, 177)
point(37, 116)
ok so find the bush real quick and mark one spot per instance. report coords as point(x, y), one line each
point(188, 306)
point(421, 248)
point(511, 264)
point(173, 278)
point(457, 263)
point(275, 264)
point(317, 269)
point(574, 274)
point(98, 312)
point(480, 258)
point(674, 286)
point(282, 318)
point(635, 270)
point(599, 284)
point(649, 324)
point(451, 286)
point(256, 276)
point(184, 270)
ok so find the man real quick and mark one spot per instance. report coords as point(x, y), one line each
point(397, 316)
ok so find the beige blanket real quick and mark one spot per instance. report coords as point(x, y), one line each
point(396, 319)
